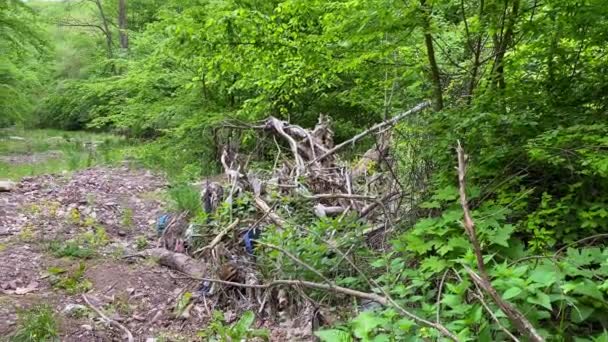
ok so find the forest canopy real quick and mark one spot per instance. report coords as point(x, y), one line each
point(522, 84)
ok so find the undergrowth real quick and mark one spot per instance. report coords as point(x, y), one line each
point(37, 324)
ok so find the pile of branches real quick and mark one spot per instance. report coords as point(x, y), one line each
point(314, 171)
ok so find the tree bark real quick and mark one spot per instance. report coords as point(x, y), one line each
point(122, 24)
point(501, 46)
point(106, 28)
point(430, 51)
point(476, 53)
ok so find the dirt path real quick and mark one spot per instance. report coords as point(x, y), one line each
point(102, 214)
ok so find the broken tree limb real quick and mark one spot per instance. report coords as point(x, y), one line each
point(261, 204)
point(374, 128)
point(379, 202)
point(323, 211)
point(108, 319)
point(177, 261)
point(277, 125)
point(343, 290)
point(340, 195)
point(217, 238)
point(482, 279)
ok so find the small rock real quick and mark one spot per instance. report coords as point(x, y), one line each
point(74, 309)
point(87, 327)
point(122, 233)
point(7, 186)
point(130, 290)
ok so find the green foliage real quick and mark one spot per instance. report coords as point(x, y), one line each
point(71, 249)
point(141, 243)
point(186, 197)
point(524, 87)
point(72, 282)
point(36, 324)
point(217, 330)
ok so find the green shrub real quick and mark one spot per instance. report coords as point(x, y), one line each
point(37, 324)
point(217, 330)
point(186, 197)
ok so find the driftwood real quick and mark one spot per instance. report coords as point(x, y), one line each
point(483, 279)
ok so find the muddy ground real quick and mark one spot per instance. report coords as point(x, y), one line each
point(124, 203)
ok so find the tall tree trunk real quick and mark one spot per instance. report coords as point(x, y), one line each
point(476, 53)
point(501, 46)
point(430, 51)
point(122, 24)
point(106, 28)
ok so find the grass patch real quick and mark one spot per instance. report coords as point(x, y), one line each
point(70, 151)
point(71, 249)
point(71, 282)
point(186, 197)
point(36, 324)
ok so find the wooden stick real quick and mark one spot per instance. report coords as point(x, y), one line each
point(107, 319)
point(345, 196)
point(259, 202)
point(339, 289)
point(483, 280)
point(372, 129)
point(278, 126)
point(218, 238)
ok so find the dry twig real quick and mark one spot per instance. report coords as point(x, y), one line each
point(109, 320)
point(372, 129)
point(218, 238)
point(483, 280)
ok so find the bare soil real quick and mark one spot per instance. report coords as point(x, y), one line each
point(139, 294)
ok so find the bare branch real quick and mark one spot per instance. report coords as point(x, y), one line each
point(107, 319)
point(372, 129)
point(483, 280)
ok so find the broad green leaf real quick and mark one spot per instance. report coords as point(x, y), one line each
point(580, 313)
point(334, 335)
point(541, 299)
point(512, 292)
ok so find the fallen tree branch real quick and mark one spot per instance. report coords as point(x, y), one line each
point(345, 196)
point(177, 261)
point(372, 129)
point(297, 260)
point(107, 319)
point(483, 280)
point(278, 126)
point(259, 202)
point(379, 202)
point(343, 290)
point(479, 296)
point(218, 238)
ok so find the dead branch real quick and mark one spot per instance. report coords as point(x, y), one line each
point(177, 261)
point(346, 196)
point(479, 296)
point(343, 290)
point(380, 202)
point(261, 204)
point(323, 211)
point(217, 238)
point(372, 129)
point(297, 260)
point(278, 127)
point(483, 280)
point(107, 319)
